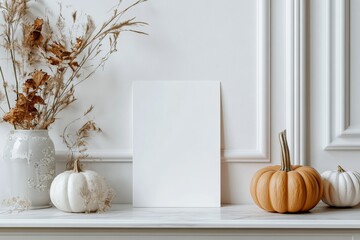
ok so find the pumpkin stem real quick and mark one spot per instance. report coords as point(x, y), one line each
point(77, 167)
point(340, 169)
point(285, 154)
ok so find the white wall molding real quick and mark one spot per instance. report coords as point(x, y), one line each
point(123, 155)
point(296, 79)
point(262, 151)
point(340, 134)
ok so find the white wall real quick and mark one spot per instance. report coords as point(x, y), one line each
point(242, 43)
point(334, 85)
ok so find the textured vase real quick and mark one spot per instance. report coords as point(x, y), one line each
point(30, 157)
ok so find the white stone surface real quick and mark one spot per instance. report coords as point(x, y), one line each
point(230, 216)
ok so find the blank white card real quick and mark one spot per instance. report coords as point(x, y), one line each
point(176, 144)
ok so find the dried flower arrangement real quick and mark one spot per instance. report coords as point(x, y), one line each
point(48, 61)
point(40, 95)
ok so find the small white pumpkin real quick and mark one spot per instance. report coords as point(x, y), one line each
point(80, 191)
point(341, 188)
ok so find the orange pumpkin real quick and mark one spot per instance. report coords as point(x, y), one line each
point(286, 188)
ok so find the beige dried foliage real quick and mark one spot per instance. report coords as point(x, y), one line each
point(64, 61)
point(25, 113)
point(16, 204)
point(101, 196)
point(77, 143)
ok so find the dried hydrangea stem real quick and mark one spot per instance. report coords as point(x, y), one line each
point(5, 88)
point(13, 60)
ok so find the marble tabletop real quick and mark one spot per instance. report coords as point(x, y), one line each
point(228, 216)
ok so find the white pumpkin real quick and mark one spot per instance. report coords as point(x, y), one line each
point(341, 188)
point(80, 191)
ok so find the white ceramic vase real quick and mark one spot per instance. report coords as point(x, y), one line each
point(30, 157)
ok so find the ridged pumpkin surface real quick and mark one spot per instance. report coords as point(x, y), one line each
point(285, 188)
point(298, 190)
point(341, 188)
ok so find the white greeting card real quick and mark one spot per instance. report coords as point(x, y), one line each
point(176, 144)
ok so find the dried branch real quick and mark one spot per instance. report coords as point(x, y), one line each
point(5, 88)
point(77, 144)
